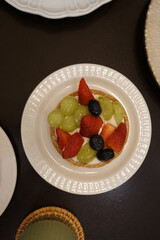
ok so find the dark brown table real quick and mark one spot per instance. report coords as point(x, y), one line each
point(32, 47)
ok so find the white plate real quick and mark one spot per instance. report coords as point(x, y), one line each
point(57, 8)
point(152, 38)
point(43, 156)
point(8, 171)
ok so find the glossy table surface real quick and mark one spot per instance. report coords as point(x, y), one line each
point(32, 47)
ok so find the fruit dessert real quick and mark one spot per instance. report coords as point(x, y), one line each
point(89, 128)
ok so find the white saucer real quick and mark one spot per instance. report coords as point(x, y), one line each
point(57, 8)
point(8, 171)
point(152, 37)
point(48, 162)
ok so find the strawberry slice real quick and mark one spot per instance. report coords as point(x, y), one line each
point(73, 146)
point(90, 125)
point(117, 138)
point(62, 138)
point(107, 130)
point(84, 93)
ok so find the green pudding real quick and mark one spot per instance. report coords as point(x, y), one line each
point(48, 230)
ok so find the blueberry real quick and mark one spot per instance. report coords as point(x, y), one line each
point(96, 142)
point(105, 154)
point(94, 107)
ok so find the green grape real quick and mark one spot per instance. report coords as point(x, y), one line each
point(86, 154)
point(56, 118)
point(69, 105)
point(118, 112)
point(79, 113)
point(69, 124)
point(107, 107)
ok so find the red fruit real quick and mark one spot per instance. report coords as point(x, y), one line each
point(117, 138)
point(62, 138)
point(84, 93)
point(73, 146)
point(90, 125)
point(107, 130)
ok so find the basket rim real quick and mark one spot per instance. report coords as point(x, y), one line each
point(52, 212)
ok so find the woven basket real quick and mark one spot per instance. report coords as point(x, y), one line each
point(55, 213)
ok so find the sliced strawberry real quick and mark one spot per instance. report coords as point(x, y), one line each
point(62, 138)
point(90, 125)
point(84, 93)
point(117, 138)
point(73, 146)
point(107, 130)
